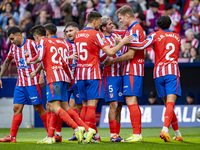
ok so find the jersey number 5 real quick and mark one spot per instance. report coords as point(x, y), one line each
point(81, 50)
point(171, 47)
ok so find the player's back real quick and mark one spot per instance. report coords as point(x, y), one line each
point(166, 47)
point(54, 50)
point(88, 44)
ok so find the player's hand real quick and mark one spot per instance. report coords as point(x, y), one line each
point(28, 60)
point(32, 74)
point(109, 62)
point(1, 84)
point(41, 82)
point(73, 56)
point(118, 39)
point(127, 39)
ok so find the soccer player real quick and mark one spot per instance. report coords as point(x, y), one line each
point(113, 82)
point(88, 43)
point(166, 72)
point(27, 90)
point(133, 70)
point(51, 52)
point(70, 32)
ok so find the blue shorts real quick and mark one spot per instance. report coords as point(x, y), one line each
point(73, 93)
point(89, 89)
point(102, 93)
point(169, 84)
point(114, 89)
point(57, 91)
point(132, 85)
point(30, 95)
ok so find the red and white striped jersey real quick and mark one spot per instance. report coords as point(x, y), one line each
point(136, 65)
point(166, 46)
point(193, 19)
point(71, 49)
point(114, 70)
point(119, 32)
point(20, 54)
point(194, 42)
point(176, 22)
point(52, 52)
point(88, 44)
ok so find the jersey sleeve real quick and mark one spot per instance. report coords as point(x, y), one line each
point(146, 43)
point(103, 57)
point(10, 53)
point(99, 39)
point(67, 69)
point(41, 52)
point(34, 50)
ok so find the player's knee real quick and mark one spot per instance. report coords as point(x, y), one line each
point(113, 105)
point(38, 108)
point(17, 109)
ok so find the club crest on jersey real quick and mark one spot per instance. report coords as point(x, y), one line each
point(135, 37)
point(111, 95)
point(39, 46)
point(21, 62)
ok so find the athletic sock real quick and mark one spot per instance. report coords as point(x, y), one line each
point(118, 128)
point(48, 118)
point(95, 127)
point(83, 113)
point(59, 125)
point(168, 114)
point(44, 119)
point(77, 119)
point(135, 116)
point(17, 119)
point(66, 118)
point(113, 126)
point(75, 109)
point(174, 122)
point(90, 116)
point(177, 133)
point(52, 125)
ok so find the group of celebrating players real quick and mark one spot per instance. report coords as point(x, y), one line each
point(72, 70)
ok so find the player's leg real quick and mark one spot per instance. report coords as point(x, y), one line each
point(132, 87)
point(118, 117)
point(19, 101)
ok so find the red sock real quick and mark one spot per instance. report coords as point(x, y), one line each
point(48, 118)
point(90, 116)
point(168, 114)
point(66, 118)
point(17, 119)
point(83, 112)
point(44, 119)
point(113, 126)
point(118, 128)
point(77, 119)
point(75, 109)
point(59, 125)
point(95, 127)
point(135, 116)
point(52, 125)
point(174, 122)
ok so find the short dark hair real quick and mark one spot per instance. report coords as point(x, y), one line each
point(39, 30)
point(168, 7)
point(155, 4)
point(72, 24)
point(14, 30)
point(164, 22)
point(125, 10)
point(51, 28)
point(93, 15)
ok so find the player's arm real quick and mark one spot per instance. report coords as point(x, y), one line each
point(34, 73)
point(4, 68)
point(142, 45)
point(111, 51)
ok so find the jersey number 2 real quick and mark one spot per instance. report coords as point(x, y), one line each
point(171, 47)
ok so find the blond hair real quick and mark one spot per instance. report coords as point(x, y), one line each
point(125, 10)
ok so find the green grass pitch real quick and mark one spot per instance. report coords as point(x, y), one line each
point(27, 139)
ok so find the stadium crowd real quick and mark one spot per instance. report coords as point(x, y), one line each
point(27, 13)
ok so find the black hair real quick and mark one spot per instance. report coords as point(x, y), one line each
point(10, 5)
point(164, 22)
point(155, 4)
point(39, 30)
point(93, 15)
point(14, 30)
point(73, 24)
point(51, 28)
point(168, 7)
